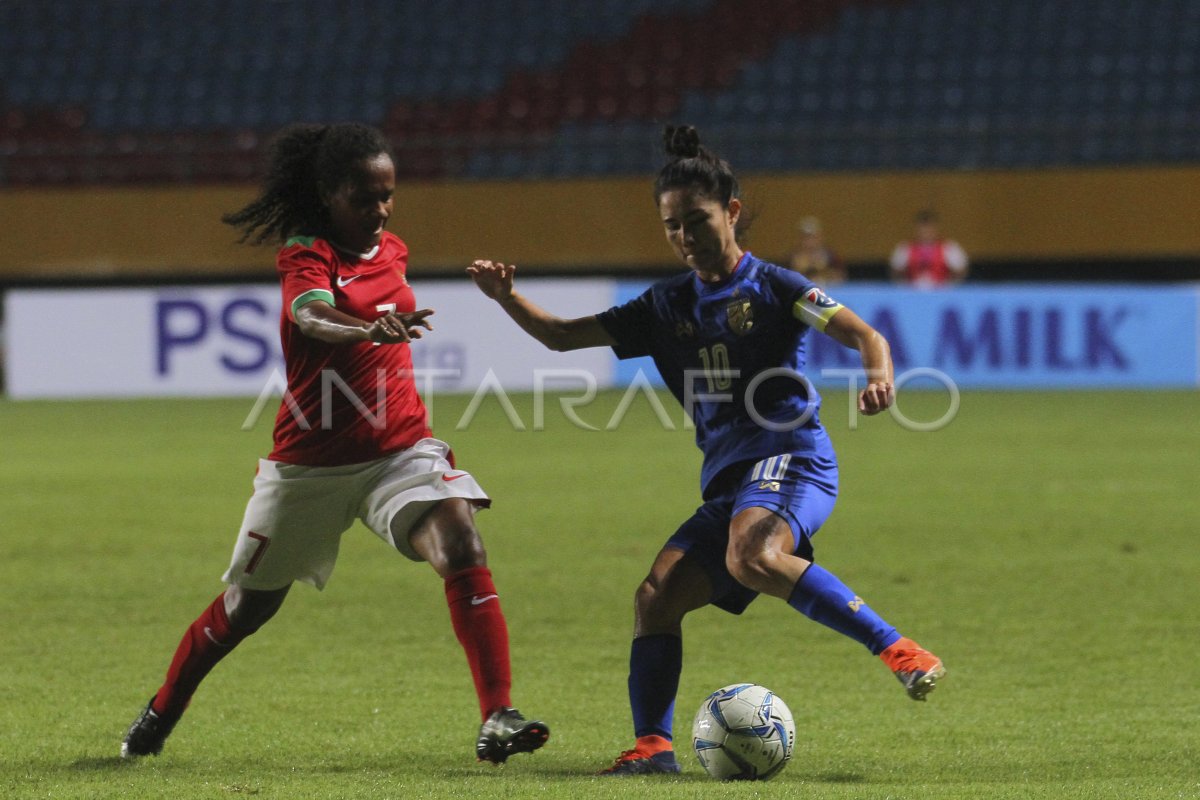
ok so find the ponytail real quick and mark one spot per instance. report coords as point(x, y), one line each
point(693, 165)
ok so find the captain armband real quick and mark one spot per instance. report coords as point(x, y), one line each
point(815, 308)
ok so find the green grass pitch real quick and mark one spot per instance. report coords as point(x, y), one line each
point(1045, 545)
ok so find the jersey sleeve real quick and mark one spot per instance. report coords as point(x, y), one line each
point(631, 325)
point(956, 257)
point(305, 276)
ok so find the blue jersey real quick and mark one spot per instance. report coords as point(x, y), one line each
point(733, 355)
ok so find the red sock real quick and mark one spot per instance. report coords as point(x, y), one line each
point(480, 627)
point(205, 643)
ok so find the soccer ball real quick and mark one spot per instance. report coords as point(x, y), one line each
point(743, 732)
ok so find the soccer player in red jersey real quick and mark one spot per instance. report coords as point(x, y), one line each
point(351, 438)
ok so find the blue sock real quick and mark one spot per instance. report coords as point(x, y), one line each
point(820, 596)
point(655, 662)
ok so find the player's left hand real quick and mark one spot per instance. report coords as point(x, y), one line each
point(393, 328)
point(876, 397)
point(415, 320)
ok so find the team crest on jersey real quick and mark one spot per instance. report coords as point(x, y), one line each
point(740, 315)
point(819, 299)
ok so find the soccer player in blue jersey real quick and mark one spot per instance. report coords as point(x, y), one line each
point(728, 339)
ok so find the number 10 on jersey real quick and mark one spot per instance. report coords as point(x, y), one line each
point(717, 370)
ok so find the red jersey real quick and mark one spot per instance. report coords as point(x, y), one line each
point(929, 263)
point(346, 403)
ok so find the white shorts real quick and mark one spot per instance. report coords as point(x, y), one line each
point(296, 517)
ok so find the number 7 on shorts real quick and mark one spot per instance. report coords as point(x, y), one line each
point(263, 543)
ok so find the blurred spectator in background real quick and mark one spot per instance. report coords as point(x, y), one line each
point(812, 258)
point(928, 259)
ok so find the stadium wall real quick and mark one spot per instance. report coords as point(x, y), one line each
point(224, 340)
point(609, 224)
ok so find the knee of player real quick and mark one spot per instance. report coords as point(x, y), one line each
point(645, 595)
point(652, 603)
point(463, 549)
point(654, 611)
point(248, 610)
point(751, 569)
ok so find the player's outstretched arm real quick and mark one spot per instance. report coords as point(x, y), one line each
point(495, 280)
point(319, 320)
point(848, 328)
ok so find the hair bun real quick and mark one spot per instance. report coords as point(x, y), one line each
point(681, 141)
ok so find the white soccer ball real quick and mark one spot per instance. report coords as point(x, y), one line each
point(743, 732)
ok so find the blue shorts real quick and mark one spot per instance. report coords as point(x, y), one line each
point(799, 488)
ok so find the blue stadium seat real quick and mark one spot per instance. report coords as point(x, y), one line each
point(901, 84)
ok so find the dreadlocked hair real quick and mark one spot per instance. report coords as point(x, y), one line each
point(694, 166)
point(304, 160)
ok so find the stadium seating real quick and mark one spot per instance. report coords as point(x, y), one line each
point(121, 91)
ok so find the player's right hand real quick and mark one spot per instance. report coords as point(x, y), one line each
point(493, 278)
point(878, 396)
